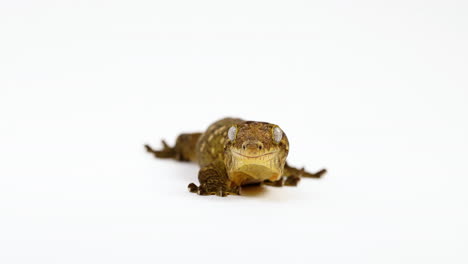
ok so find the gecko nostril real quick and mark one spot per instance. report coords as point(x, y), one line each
point(243, 147)
point(260, 147)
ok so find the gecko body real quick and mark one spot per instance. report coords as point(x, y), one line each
point(232, 153)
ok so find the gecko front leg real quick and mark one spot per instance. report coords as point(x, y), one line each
point(293, 175)
point(214, 181)
point(278, 183)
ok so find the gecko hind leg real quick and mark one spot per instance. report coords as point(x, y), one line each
point(184, 149)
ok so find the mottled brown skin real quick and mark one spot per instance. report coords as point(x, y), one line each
point(255, 153)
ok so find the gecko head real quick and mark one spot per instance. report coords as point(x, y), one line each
point(255, 151)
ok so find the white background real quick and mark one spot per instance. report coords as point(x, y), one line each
point(375, 91)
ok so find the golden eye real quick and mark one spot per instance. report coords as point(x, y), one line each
point(232, 133)
point(277, 134)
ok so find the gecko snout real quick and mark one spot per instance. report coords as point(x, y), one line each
point(252, 145)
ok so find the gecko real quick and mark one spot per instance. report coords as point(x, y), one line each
point(233, 153)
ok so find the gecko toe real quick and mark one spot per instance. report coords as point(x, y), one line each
point(193, 188)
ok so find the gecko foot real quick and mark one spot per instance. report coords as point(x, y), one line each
point(167, 152)
point(292, 180)
point(222, 191)
point(317, 174)
point(278, 183)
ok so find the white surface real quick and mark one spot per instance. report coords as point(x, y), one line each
point(374, 91)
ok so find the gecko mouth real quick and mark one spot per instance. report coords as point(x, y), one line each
point(245, 167)
point(256, 156)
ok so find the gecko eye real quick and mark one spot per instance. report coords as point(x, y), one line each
point(277, 134)
point(232, 133)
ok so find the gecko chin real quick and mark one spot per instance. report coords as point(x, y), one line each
point(246, 167)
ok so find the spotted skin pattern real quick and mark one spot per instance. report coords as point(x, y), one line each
point(232, 153)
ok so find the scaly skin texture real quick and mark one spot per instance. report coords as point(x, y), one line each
point(232, 153)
